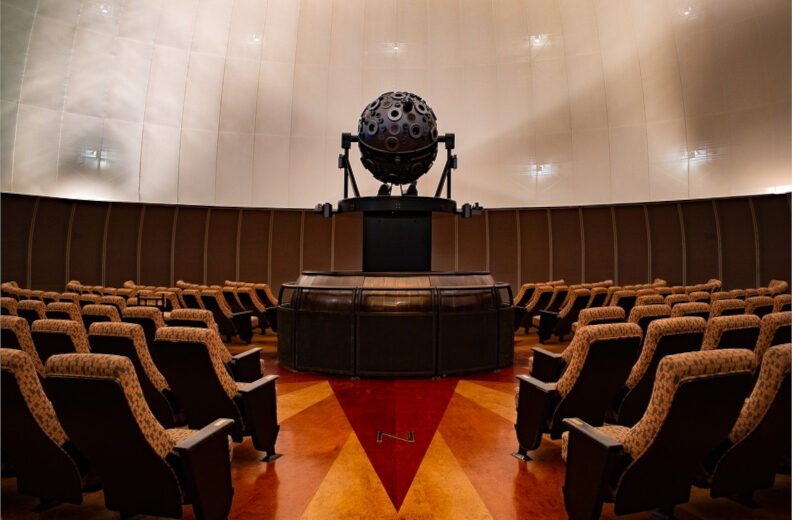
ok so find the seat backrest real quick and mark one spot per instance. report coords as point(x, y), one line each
point(599, 367)
point(192, 298)
point(231, 301)
point(265, 295)
point(116, 301)
point(731, 332)
point(624, 299)
point(50, 296)
point(8, 306)
point(650, 299)
point(738, 294)
point(699, 296)
point(577, 301)
point(52, 337)
point(673, 299)
point(88, 299)
point(150, 318)
point(600, 315)
point(524, 294)
point(643, 315)
point(728, 307)
point(560, 293)
point(63, 310)
point(759, 305)
point(778, 286)
point(720, 296)
point(774, 329)
point(249, 299)
point(700, 309)
point(782, 302)
point(93, 313)
point(192, 318)
point(31, 310)
point(541, 297)
point(598, 295)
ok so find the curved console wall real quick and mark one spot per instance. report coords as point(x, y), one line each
point(395, 324)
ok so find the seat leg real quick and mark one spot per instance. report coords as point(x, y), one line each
point(270, 455)
point(521, 454)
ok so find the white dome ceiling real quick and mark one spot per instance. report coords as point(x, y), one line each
point(242, 102)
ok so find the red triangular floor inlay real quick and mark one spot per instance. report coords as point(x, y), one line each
point(395, 407)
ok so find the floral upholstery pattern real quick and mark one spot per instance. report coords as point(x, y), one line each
point(36, 306)
point(152, 313)
point(205, 336)
point(644, 311)
point(671, 372)
point(107, 311)
point(117, 301)
point(720, 296)
point(195, 315)
point(775, 366)
point(72, 309)
point(21, 329)
point(767, 329)
point(649, 299)
point(717, 307)
point(739, 294)
point(119, 368)
point(581, 343)
point(657, 330)
point(614, 431)
point(9, 304)
point(780, 301)
point(74, 329)
point(586, 316)
point(685, 309)
point(21, 366)
point(69, 297)
point(699, 296)
point(755, 302)
point(717, 326)
point(134, 332)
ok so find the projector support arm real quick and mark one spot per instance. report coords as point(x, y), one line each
point(451, 164)
point(343, 162)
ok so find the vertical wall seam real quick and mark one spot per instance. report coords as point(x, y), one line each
point(683, 240)
point(240, 216)
point(302, 238)
point(174, 227)
point(648, 245)
point(68, 243)
point(486, 241)
point(519, 249)
point(615, 247)
point(332, 242)
point(206, 245)
point(549, 245)
point(582, 246)
point(456, 243)
point(141, 218)
point(104, 242)
point(31, 232)
point(269, 246)
point(757, 242)
point(718, 239)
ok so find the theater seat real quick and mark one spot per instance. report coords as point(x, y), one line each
point(540, 299)
point(653, 464)
point(664, 337)
point(8, 306)
point(230, 323)
point(560, 323)
point(58, 337)
point(731, 332)
point(748, 460)
point(759, 305)
point(720, 296)
point(250, 301)
point(47, 464)
point(150, 318)
point(50, 297)
point(15, 334)
point(598, 368)
point(738, 294)
point(192, 298)
point(700, 309)
point(191, 361)
point(625, 299)
point(650, 299)
point(69, 297)
point(674, 299)
point(89, 299)
point(31, 310)
point(699, 296)
point(782, 302)
point(98, 313)
point(728, 307)
point(116, 301)
point(63, 310)
point(774, 329)
point(598, 316)
point(145, 468)
point(598, 295)
point(645, 314)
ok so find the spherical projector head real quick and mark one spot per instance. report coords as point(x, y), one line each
point(398, 137)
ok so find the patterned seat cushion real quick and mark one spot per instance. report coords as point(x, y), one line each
point(36, 306)
point(614, 431)
point(716, 326)
point(151, 313)
point(21, 329)
point(9, 304)
point(687, 308)
point(775, 366)
point(133, 332)
point(68, 307)
point(75, 331)
point(107, 311)
point(767, 329)
point(657, 330)
point(119, 368)
point(180, 434)
point(586, 316)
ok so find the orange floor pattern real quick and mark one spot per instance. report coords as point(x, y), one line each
point(466, 471)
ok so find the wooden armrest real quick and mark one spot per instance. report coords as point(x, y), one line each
point(536, 401)
point(547, 366)
point(261, 413)
point(247, 365)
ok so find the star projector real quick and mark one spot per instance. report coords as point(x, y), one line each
point(397, 136)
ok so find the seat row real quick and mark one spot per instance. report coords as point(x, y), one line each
point(186, 377)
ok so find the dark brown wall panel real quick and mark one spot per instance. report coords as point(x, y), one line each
point(317, 232)
point(566, 244)
point(534, 246)
point(631, 244)
point(285, 248)
point(348, 246)
point(15, 214)
point(598, 235)
point(738, 253)
point(222, 249)
point(155, 246)
point(701, 241)
point(188, 247)
point(472, 243)
point(254, 246)
point(443, 242)
point(87, 236)
point(666, 237)
point(503, 246)
point(773, 222)
point(48, 262)
point(122, 242)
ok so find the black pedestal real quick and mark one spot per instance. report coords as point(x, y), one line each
point(397, 241)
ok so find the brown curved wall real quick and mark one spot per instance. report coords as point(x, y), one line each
point(745, 241)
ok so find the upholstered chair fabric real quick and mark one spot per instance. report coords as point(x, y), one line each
point(74, 329)
point(171, 297)
point(520, 294)
point(117, 301)
point(9, 305)
point(126, 292)
point(720, 296)
point(718, 307)
point(685, 309)
point(614, 431)
point(739, 294)
point(750, 293)
point(775, 366)
point(130, 283)
point(108, 311)
point(659, 282)
point(196, 293)
point(254, 297)
point(618, 295)
point(21, 329)
point(754, 302)
point(715, 284)
point(673, 299)
point(73, 285)
point(69, 297)
point(586, 316)
point(645, 292)
point(778, 286)
point(206, 337)
point(570, 302)
point(92, 298)
point(657, 330)
point(718, 325)
point(644, 311)
point(36, 306)
point(133, 332)
point(767, 330)
point(584, 337)
point(151, 313)
point(699, 296)
point(50, 296)
point(780, 301)
point(119, 368)
point(195, 315)
point(649, 299)
point(273, 301)
point(21, 366)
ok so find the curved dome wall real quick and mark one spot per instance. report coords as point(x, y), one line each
point(242, 102)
